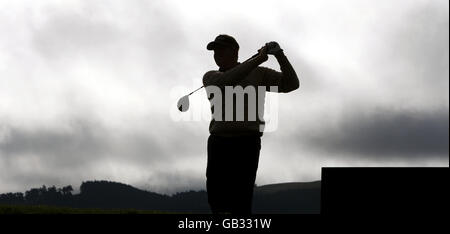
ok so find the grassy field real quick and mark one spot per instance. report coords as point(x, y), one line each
point(24, 209)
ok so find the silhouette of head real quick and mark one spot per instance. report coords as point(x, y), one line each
point(225, 51)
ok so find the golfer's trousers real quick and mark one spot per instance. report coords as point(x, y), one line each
point(231, 173)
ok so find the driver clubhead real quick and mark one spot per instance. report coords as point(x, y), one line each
point(183, 103)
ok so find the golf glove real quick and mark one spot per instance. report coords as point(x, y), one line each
point(273, 48)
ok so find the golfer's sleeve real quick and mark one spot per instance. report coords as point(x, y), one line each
point(285, 81)
point(230, 77)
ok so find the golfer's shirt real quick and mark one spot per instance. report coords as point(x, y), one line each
point(237, 96)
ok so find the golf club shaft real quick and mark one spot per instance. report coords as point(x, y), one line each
point(204, 86)
point(195, 90)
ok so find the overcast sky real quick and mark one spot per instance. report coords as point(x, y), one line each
point(87, 88)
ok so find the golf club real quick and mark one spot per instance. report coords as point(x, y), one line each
point(183, 102)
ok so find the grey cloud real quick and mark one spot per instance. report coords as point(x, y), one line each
point(170, 182)
point(84, 142)
point(66, 155)
point(412, 59)
point(26, 181)
point(385, 133)
point(54, 145)
point(66, 33)
point(418, 50)
point(145, 32)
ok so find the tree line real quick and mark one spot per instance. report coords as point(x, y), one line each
point(42, 195)
point(113, 195)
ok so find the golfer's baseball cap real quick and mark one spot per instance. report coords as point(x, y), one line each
point(223, 40)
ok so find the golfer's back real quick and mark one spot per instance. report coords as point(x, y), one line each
point(238, 110)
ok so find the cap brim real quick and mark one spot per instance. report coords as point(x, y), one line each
point(214, 44)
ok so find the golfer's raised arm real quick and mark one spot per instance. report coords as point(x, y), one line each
point(234, 75)
point(286, 80)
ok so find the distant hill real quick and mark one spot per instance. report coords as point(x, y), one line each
point(274, 198)
point(296, 198)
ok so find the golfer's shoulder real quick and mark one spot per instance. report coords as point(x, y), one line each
point(209, 75)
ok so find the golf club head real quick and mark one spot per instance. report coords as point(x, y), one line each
point(183, 103)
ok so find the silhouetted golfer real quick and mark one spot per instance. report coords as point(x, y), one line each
point(235, 140)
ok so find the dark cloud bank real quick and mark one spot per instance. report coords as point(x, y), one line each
point(386, 133)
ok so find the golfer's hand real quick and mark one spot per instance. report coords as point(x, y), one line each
point(263, 54)
point(273, 48)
